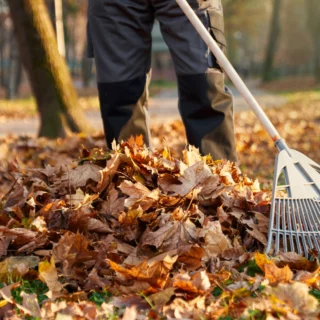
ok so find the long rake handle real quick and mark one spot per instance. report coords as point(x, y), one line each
point(230, 71)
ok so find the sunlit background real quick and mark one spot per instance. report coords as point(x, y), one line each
point(267, 40)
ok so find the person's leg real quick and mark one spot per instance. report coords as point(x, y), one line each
point(119, 32)
point(205, 104)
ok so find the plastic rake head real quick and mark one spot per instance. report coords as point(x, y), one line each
point(295, 216)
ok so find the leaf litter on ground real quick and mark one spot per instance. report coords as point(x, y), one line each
point(137, 234)
point(141, 234)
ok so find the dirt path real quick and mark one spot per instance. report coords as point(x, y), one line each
point(163, 107)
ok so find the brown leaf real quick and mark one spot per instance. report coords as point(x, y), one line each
point(138, 194)
point(309, 278)
point(113, 205)
point(4, 244)
point(95, 282)
point(210, 187)
point(170, 236)
point(192, 258)
point(95, 225)
point(80, 176)
point(108, 172)
point(161, 298)
point(297, 262)
point(72, 251)
point(193, 177)
point(255, 233)
point(17, 197)
point(21, 236)
point(215, 241)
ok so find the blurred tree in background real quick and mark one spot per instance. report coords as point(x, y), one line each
point(313, 22)
point(255, 45)
point(48, 74)
point(274, 36)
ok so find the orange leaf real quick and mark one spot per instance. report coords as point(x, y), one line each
point(277, 275)
point(262, 260)
point(155, 273)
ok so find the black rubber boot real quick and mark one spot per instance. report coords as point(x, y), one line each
point(122, 107)
point(206, 108)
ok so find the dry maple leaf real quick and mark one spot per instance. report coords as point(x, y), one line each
point(215, 241)
point(155, 273)
point(171, 235)
point(72, 251)
point(95, 282)
point(80, 176)
point(297, 262)
point(198, 283)
point(192, 177)
point(192, 259)
point(272, 272)
point(277, 275)
point(113, 204)
point(108, 172)
point(139, 194)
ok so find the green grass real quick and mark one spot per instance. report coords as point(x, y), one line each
point(99, 298)
point(33, 286)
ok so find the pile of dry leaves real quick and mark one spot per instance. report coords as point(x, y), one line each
point(298, 122)
point(139, 234)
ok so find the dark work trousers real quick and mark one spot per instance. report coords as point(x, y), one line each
point(119, 38)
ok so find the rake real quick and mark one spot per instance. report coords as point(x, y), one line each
point(295, 208)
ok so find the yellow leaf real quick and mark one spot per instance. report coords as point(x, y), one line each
point(262, 260)
point(166, 154)
point(3, 303)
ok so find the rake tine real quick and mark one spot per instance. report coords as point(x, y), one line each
point(316, 220)
point(307, 223)
point(289, 225)
point(284, 227)
point(305, 228)
point(313, 219)
point(278, 227)
point(295, 227)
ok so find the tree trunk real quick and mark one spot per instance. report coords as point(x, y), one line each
point(59, 27)
point(51, 83)
point(2, 43)
point(313, 22)
point(273, 41)
point(317, 59)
